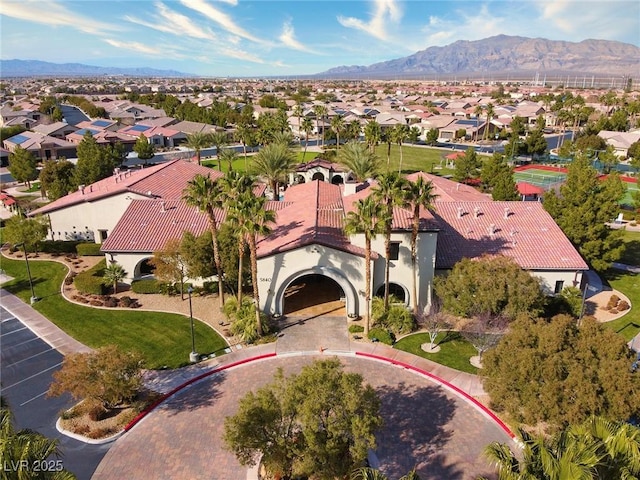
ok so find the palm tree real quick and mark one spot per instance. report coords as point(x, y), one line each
point(228, 156)
point(27, 447)
point(239, 190)
point(113, 274)
point(208, 197)
point(369, 473)
point(320, 112)
point(360, 161)
point(256, 222)
point(298, 111)
point(274, 162)
point(244, 134)
point(219, 140)
point(490, 114)
point(197, 141)
point(399, 134)
point(477, 112)
point(390, 192)
point(369, 219)
point(372, 134)
point(420, 195)
point(307, 128)
point(337, 125)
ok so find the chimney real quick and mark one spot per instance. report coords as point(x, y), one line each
point(476, 212)
point(350, 187)
point(507, 212)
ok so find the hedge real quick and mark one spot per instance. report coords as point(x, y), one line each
point(89, 249)
point(59, 246)
point(381, 335)
point(146, 285)
point(92, 281)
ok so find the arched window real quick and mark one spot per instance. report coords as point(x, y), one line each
point(395, 290)
point(318, 176)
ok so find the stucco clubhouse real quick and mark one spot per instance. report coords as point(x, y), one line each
point(135, 212)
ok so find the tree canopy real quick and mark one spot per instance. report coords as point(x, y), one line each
point(95, 162)
point(585, 205)
point(30, 230)
point(467, 166)
point(559, 373)
point(320, 422)
point(494, 285)
point(57, 178)
point(23, 166)
point(143, 148)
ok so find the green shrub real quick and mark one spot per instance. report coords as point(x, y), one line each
point(243, 319)
point(210, 287)
point(397, 319)
point(89, 249)
point(92, 281)
point(168, 289)
point(59, 246)
point(356, 328)
point(382, 336)
point(146, 285)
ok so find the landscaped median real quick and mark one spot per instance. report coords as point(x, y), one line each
point(163, 339)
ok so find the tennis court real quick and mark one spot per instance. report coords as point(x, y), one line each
point(539, 177)
point(632, 188)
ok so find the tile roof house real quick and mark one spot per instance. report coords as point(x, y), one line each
point(40, 145)
point(135, 213)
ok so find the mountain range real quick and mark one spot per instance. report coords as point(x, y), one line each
point(500, 55)
point(504, 54)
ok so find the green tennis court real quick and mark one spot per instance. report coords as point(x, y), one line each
point(540, 178)
point(632, 188)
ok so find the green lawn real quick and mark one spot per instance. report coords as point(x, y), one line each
point(455, 352)
point(163, 339)
point(631, 255)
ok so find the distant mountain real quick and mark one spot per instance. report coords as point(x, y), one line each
point(35, 68)
point(506, 54)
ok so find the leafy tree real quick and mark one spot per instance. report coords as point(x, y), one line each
point(634, 155)
point(497, 177)
point(198, 254)
point(170, 265)
point(23, 450)
point(143, 148)
point(595, 449)
point(559, 373)
point(608, 159)
point(28, 230)
point(591, 143)
point(57, 178)
point(583, 208)
point(108, 376)
point(23, 166)
point(369, 219)
point(494, 285)
point(467, 166)
point(274, 163)
point(414, 134)
point(8, 132)
point(432, 136)
point(94, 162)
point(207, 196)
point(113, 274)
point(318, 423)
point(359, 160)
point(536, 143)
point(518, 126)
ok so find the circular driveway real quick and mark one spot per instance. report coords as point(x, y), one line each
point(425, 426)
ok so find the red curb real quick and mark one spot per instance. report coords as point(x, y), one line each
point(164, 397)
point(468, 397)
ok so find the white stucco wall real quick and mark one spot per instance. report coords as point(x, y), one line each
point(276, 272)
point(550, 277)
point(74, 221)
point(400, 270)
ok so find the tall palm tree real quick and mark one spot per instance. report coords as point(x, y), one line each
point(274, 163)
point(490, 114)
point(369, 219)
point(477, 112)
point(219, 140)
point(390, 192)
point(244, 133)
point(27, 447)
point(372, 134)
point(239, 191)
point(362, 163)
point(229, 155)
point(338, 126)
point(419, 194)
point(320, 112)
point(399, 135)
point(369, 473)
point(298, 111)
point(113, 274)
point(207, 196)
point(256, 223)
point(307, 128)
point(197, 141)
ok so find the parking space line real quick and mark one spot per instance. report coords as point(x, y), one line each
point(13, 331)
point(29, 358)
point(8, 319)
point(34, 398)
point(22, 343)
point(33, 376)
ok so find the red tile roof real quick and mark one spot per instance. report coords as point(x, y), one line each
point(166, 180)
point(451, 191)
point(528, 235)
point(525, 188)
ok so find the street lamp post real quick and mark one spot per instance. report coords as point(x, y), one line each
point(33, 299)
point(193, 356)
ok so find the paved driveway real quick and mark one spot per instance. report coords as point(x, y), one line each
point(26, 367)
point(425, 427)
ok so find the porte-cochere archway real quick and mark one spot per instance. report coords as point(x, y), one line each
point(317, 291)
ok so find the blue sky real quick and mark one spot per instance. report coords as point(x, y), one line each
point(296, 37)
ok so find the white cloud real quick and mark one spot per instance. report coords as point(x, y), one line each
point(288, 38)
point(136, 47)
point(169, 21)
point(384, 12)
point(221, 18)
point(54, 14)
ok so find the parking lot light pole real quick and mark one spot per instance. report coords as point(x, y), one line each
point(33, 299)
point(193, 356)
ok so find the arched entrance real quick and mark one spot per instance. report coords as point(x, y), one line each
point(318, 176)
point(337, 180)
point(316, 291)
point(144, 268)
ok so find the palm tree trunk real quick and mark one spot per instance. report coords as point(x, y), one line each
point(414, 255)
point(387, 254)
point(240, 262)
point(216, 256)
point(367, 276)
point(400, 167)
point(254, 280)
point(244, 150)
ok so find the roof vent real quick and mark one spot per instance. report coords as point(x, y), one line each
point(457, 187)
point(460, 212)
point(476, 212)
point(163, 207)
point(507, 212)
point(492, 229)
point(148, 193)
point(81, 189)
